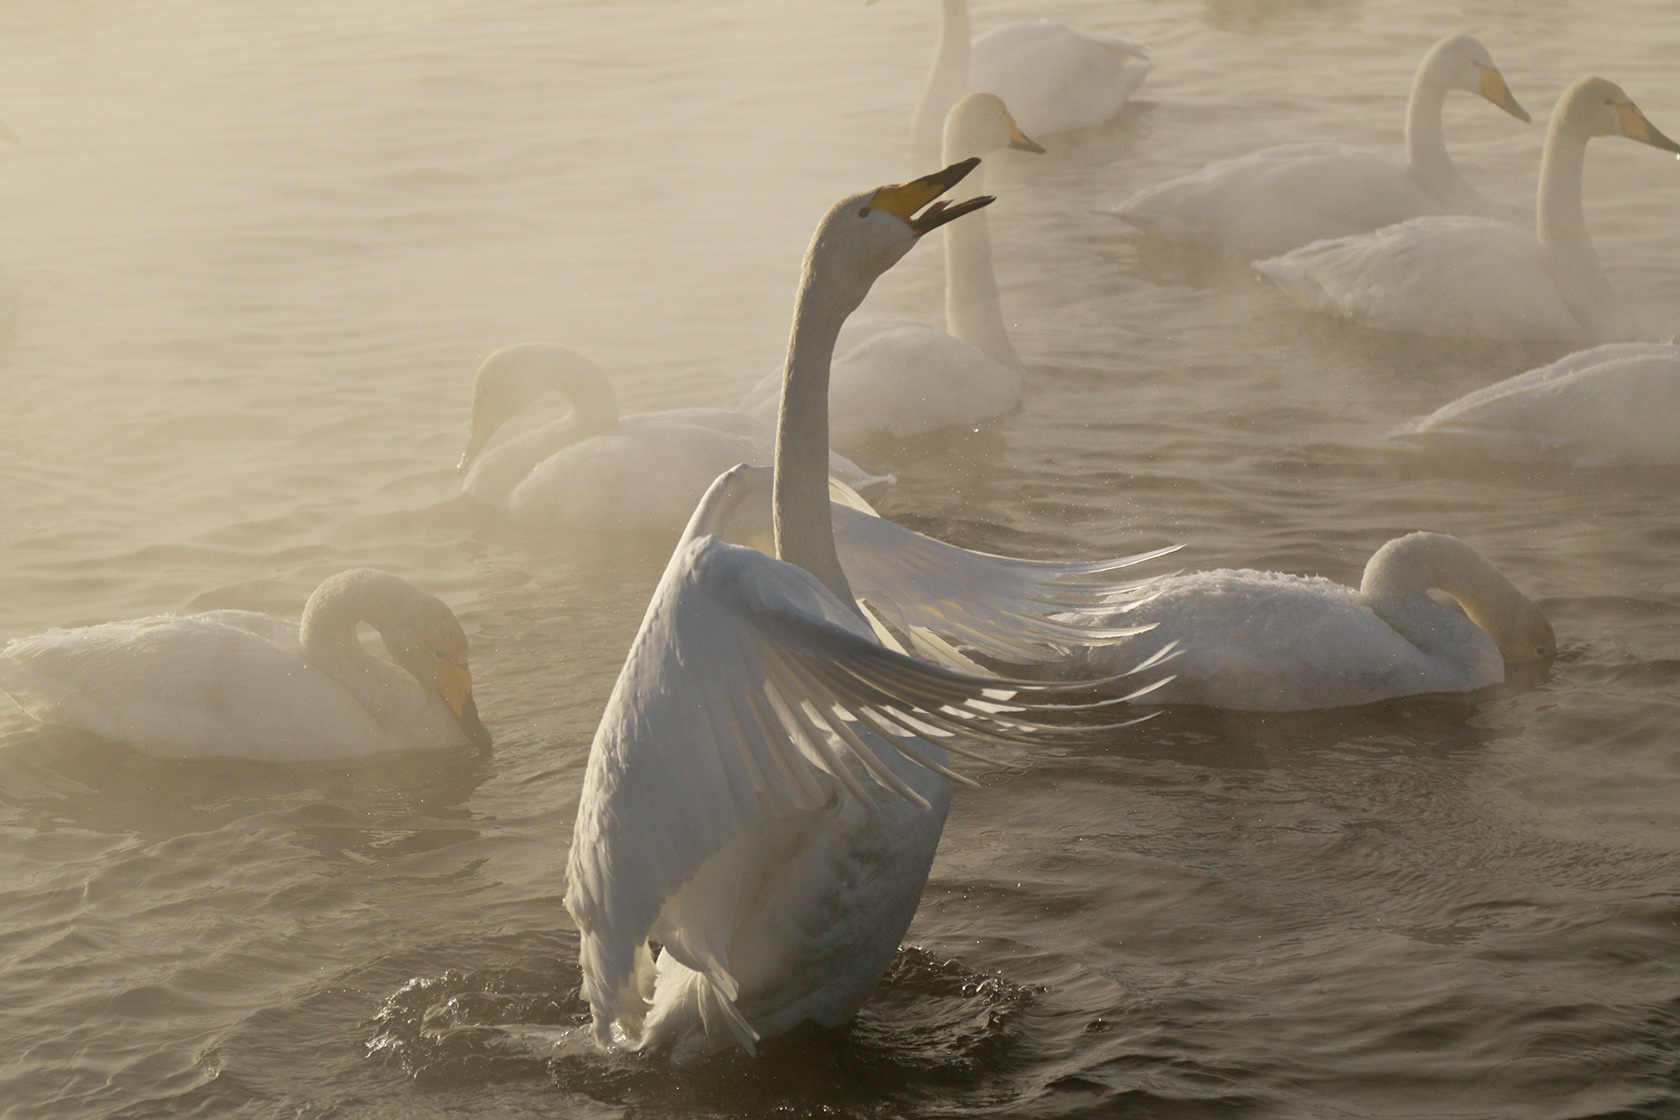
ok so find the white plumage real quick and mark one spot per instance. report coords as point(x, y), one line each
point(1616, 404)
point(1266, 641)
point(1053, 78)
point(768, 783)
point(591, 469)
point(240, 683)
point(1457, 277)
point(1276, 199)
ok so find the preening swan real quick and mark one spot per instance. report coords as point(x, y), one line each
point(590, 469)
point(768, 783)
point(240, 683)
point(1616, 404)
point(1479, 278)
point(1266, 641)
point(900, 378)
point(1276, 199)
point(1053, 78)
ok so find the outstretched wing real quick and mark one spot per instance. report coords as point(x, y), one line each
point(751, 692)
point(942, 599)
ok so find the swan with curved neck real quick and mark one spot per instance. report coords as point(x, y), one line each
point(899, 378)
point(239, 683)
point(763, 798)
point(1478, 278)
point(1266, 641)
point(590, 469)
point(1275, 199)
point(1053, 78)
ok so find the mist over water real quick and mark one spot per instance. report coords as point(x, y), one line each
point(256, 252)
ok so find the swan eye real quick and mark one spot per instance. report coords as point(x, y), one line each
point(863, 212)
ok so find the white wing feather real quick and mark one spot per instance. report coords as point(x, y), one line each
point(750, 693)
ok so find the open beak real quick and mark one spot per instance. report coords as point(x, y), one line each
point(454, 684)
point(1496, 91)
point(903, 200)
point(1636, 127)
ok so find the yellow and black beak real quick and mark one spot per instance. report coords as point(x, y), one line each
point(454, 684)
point(1636, 127)
point(902, 200)
point(1496, 91)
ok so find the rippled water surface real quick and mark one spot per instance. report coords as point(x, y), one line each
point(256, 251)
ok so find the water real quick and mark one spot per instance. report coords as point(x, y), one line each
point(257, 252)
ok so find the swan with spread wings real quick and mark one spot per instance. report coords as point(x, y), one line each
point(770, 778)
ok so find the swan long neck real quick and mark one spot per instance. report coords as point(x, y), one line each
point(1566, 246)
point(803, 528)
point(328, 632)
point(973, 308)
point(946, 84)
point(1427, 161)
point(1402, 572)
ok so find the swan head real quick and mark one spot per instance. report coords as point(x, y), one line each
point(867, 233)
point(980, 123)
point(510, 379)
point(1464, 64)
point(1595, 107)
point(426, 639)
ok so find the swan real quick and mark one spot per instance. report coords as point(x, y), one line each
point(1462, 277)
point(1053, 78)
point(769, 779)
point(1276, 199)
point(240, 683)
point(1267, 641)
point(1614, 405)
point(898, 378)
point(591, 469)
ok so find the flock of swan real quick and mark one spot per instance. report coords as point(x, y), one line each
point(770, 777)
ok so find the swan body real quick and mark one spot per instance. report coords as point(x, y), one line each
point(1616, 404)
point(1462, 277)
point(1266, 641)
point(241, 683)
point(1276, 199)
point(591, 469)
point(896, 378)
point(1053, 78)
point(768, 783)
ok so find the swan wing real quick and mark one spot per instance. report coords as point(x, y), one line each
point(1016, 611)
point(1276, 199)
point(750, 693)
point(1452, 277)
point(1054, 78)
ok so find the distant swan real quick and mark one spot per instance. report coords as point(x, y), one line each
point(1266, 641)
point(250, 685)
point(591, 469)
point(1478, 278)
point(1616, 404)
point(769, 780)
point(1053, 78)
point(899, 378)
point(1276, 199)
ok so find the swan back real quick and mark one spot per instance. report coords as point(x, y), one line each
point(1400, 575)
